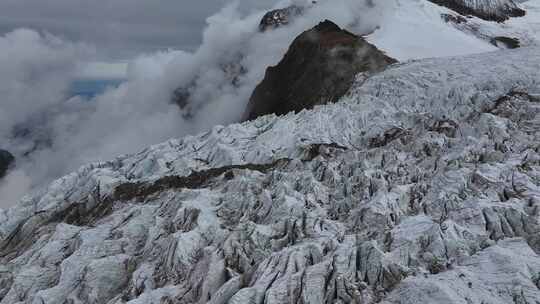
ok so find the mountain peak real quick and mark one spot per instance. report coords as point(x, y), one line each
point(327, 26)
point(319, 67)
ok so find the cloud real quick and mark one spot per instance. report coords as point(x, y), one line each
point(13, 187)
point(60, 133)
point(102, 70)
point(34, 74)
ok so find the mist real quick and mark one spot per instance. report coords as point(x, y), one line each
point(51, 134)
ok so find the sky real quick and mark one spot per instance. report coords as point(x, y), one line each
point(121, 28)
point(118, 29)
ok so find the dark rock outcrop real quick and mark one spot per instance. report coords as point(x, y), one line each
point(279, 17)
point(505, 42)
point(319, 67)
point(6, 161)
point(455, 19)
point(491, 10)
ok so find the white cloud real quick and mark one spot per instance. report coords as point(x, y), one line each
point(34, 73)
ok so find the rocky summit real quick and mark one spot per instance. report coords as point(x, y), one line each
point(319, 67)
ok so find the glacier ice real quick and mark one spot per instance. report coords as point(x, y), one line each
point(422, 185)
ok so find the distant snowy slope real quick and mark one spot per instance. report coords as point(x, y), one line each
point(421, 186)
point(418, 29)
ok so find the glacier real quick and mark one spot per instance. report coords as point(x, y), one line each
point(422, 185)
point(416, 29)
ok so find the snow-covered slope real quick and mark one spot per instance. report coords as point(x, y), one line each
point(420, 29)
point(421, 186)
point(416, 30)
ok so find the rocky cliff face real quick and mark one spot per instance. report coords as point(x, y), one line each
point(420, 186)
point(319, 67)
point(492, 10)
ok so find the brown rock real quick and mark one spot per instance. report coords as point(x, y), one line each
point(319, 67)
